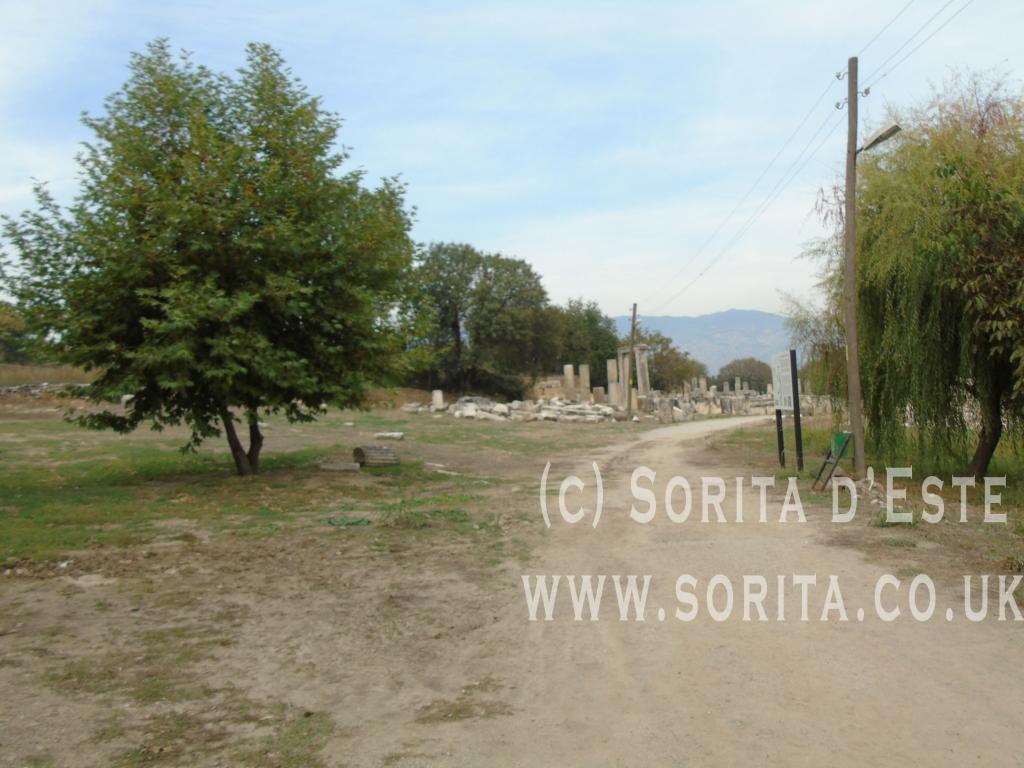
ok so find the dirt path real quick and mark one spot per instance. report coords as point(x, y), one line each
point(707, 693)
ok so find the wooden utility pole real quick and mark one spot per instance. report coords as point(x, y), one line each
point(850, 277)
point(629, 366)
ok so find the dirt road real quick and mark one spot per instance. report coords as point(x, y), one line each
point(732, 693)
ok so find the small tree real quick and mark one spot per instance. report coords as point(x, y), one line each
point(670, 367)
point(214, 260)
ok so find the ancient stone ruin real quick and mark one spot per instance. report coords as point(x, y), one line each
point(570, 398)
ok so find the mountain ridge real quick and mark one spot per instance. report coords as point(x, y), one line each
point(718, 337)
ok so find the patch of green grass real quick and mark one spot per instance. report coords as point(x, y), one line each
point(1015, 563)
point(406, 518)
point(64, 491)
point(43, 760)
point(893, 542)
point(881, 519)
point(155, 670)
point(297, 744)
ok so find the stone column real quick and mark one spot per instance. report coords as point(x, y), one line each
point(703, 384)
point(746, 386)
point(599, 397)
point(568, 382)
point(614, 396)
point(437, 400)
point(665, 411)
point(624, 375)
point(585, 382)
point(613, 370)
point(725, 387)
point(643, 379)
point(739, 385)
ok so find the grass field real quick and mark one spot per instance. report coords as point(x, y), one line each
point(129, 569)
point(15, 375)
point(64, 489)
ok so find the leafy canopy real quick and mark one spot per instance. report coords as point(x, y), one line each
point(670, 367)
point(941, 272)
point(216, 257)
point(756, 373)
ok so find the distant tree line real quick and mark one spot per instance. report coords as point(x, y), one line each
point(485, 321)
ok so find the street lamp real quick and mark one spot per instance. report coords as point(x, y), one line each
point(884, 133)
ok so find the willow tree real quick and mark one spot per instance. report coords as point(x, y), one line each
point(216, 263)
point(941, 274)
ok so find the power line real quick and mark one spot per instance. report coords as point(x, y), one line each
point(781, 185)
point(908, 41)
point(917, 47)
point(771, 195)
point(750, 190)
point(869, 43)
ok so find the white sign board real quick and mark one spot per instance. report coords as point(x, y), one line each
point(782, 382)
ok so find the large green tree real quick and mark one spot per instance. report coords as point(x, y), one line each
point(15, 342)
point(756, 373)
point(216, 262)
point(487, 318)
point(587, 335)
point(941, 272)
point(508, 325)
point(446, 274)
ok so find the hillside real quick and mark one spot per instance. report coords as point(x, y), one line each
point(717, 338)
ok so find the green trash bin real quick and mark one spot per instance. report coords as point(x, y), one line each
point(840, 443)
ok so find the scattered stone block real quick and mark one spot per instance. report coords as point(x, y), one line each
point(340, 466)
point(375, 456)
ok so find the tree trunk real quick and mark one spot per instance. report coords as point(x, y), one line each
point(991, 431)
point(255, 442)
point(238, 453)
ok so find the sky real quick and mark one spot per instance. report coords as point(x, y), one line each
point(614, 146)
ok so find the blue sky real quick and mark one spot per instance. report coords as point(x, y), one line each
point(602, 142)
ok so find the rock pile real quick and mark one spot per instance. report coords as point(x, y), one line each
point(550, 409)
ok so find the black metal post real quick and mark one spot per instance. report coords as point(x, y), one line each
point(796, 411)
point(782, 439)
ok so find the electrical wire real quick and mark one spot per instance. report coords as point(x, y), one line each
point(750, 190)
point(870, 42)
point(917, 47)
point(787, 177)
point(908, 41)
point(780, 187)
